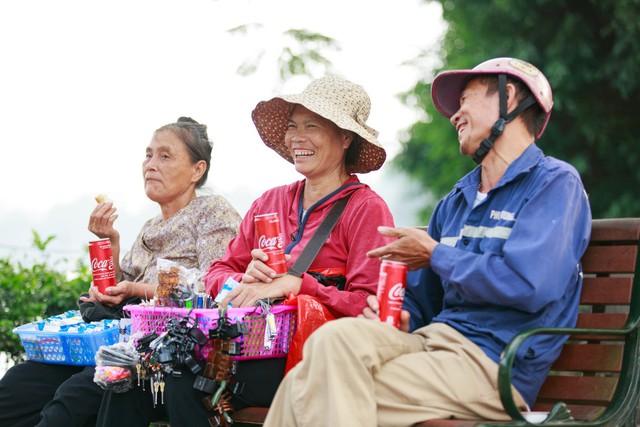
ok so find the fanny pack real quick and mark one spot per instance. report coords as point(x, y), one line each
point(330, 277)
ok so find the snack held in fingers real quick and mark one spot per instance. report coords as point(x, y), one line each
point(103, 198)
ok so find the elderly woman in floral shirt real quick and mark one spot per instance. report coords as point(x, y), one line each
point(191, 231)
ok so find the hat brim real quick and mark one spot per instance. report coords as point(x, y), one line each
point(271, 119)
point(447, 88)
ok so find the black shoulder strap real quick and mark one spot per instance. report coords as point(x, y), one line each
point(322, 233)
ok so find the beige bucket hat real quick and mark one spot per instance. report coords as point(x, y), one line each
point(344, 103)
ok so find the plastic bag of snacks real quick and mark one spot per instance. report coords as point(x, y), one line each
point(116, 366)
point(177, 285)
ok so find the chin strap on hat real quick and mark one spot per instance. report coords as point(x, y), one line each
point(498, 126)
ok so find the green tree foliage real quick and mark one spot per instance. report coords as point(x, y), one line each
point(302, 52)
point(35, 289)
point(590, 52)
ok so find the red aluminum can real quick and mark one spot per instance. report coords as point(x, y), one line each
point(271, 241)
point(391, 286)
point(104, 274)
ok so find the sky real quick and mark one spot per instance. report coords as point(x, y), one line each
point(84, 84)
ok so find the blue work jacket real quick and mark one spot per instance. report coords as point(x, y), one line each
point(509, 264)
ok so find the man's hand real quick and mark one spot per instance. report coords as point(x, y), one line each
point(413, 247)
point(373, 308)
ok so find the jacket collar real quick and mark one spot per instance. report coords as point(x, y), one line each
point(520, 166)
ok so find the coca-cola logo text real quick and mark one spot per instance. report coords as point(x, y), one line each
point(101, 265)
point(396, 292)
point(270, 243)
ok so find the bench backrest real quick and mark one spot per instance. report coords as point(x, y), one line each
point(587, 372)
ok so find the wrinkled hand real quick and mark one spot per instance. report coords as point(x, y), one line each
point(413, 247)
point(258, 271)
point(246, 294)
point(101, 221)
point(373, 308)
point(115, 295)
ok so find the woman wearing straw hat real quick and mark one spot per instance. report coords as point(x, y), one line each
point(323, 133)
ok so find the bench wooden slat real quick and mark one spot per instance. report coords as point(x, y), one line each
point(590, 358)
point(602, 320)
point(615, 229)
point(579, 412)
point(586, 390)
point(447, 423)
point(250, 415)
point(606, 290)
point(610, 259)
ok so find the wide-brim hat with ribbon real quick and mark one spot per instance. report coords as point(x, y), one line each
point(344, 103)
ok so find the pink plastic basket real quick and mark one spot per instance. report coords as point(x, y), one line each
point(147, 319)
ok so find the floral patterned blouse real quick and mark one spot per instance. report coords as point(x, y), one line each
point(193, 237)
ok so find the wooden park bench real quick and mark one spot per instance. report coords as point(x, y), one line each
point(596, 379)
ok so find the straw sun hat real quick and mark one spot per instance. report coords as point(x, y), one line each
point(344, 103)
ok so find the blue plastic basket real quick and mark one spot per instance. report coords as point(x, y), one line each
point(64, 348)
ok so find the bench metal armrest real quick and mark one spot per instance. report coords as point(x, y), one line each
point(559, 412)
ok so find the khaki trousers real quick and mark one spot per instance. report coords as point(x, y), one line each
point(358, 372)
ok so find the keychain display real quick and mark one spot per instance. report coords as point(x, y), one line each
point(172, 349)
point(217, 378)
point(168, 354)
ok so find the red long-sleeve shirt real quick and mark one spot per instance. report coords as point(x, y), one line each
point(354, 234)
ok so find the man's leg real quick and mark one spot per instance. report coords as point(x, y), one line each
point(26, 388)
point(434, 373)
point(334, 383)
point(452, 377)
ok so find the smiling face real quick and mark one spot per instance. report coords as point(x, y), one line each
point(477, 114)
point(316, 144)
point(168, 171)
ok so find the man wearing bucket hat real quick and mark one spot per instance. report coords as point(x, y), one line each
point(502, 254)
point(323, 133)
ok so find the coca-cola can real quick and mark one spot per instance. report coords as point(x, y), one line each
point(391, 286)
point(102, 269)
point(271, 241)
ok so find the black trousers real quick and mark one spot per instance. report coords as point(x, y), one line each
point(183, 406)
point(261, 378)
point(48, 395)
